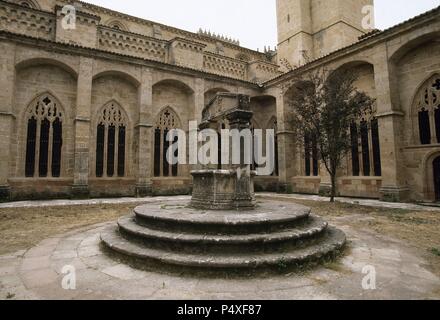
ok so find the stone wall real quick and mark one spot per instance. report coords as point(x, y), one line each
point(97, 27)
point(134, 66)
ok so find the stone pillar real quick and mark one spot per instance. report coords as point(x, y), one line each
point(230, 188)
point(199, 105)
point(80, 188)
point(239, 120)
point(213, 125)
point(199, 99)
point(7, 81)
point(390, 119)
point(286, 146)
point(144, 135)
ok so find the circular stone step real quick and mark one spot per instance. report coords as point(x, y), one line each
point(273, 236)
point(328, 245)
point(196, 242)
point(177, 217)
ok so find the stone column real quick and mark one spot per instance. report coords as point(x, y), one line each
point(7, 82)
point(213, 125)
point(144, 135)
point(80, 188)
point(199, 99)
point(199, 105)
point(286, 146)
point(239, 120)
point(390, 120)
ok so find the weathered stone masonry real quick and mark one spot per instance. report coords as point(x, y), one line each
point(143, 69)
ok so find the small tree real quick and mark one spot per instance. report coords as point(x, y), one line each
point(324, 106)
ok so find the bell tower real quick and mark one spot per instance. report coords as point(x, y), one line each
point(317, 27)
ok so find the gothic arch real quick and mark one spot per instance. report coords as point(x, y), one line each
point(42, 150)
point(122, 74)
point(166, 120)
point(425, 111)
point(112, 130)
point(272, 123)
point(429, 187)
point(412, 41)
point(47, 61)
point(350, 64)
point(177, 83)
point(255, 124)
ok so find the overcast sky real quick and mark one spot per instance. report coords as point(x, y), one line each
point(253, 22)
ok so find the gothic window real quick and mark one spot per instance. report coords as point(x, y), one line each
point(436, 171)
point(315, 157)
point(30, 147)
point(100, 133)
point(354, 150)
point(365, 148)
point(111, 142)
point(274, 126)
point(375, 141)
point(424, 127)
point(44, 139)
point(307, 155)
point(44, 148)
point(311, 156)
point(437, 122)
point(166, 122)
point(428, 113)
point(121, 151)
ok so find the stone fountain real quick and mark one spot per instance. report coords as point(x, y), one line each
point(223, 227)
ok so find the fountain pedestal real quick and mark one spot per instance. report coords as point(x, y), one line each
point(233, 187)
point(222, 190)
point(221, 229)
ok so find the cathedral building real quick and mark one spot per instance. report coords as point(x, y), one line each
point(88, 95)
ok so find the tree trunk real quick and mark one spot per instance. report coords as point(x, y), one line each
point(333, 192)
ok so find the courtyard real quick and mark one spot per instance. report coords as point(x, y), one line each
point(400, 242)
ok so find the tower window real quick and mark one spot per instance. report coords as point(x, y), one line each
point(288, 18)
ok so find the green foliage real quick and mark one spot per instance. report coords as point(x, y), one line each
point(323, 106)
point(282, 264)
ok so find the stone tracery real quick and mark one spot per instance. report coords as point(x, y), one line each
point(44, 120)
point(111, 139)
point(428, 111)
